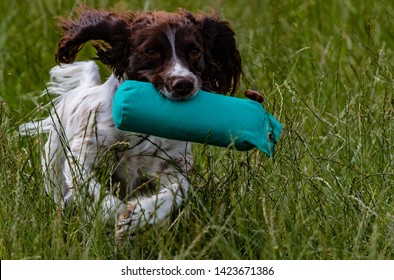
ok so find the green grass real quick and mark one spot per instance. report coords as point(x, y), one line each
point(326, 70)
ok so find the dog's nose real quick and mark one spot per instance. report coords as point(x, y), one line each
point(182, 86)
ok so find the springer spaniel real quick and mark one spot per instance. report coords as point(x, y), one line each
point(180, 53)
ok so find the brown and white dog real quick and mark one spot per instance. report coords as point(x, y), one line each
point(180, 53)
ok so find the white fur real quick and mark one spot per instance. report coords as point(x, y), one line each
point(81, 133)
point(177, 70)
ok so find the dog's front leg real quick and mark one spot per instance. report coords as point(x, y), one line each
point(82, 186)
point(147, 210)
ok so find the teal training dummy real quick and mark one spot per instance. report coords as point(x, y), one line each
point(206, 118)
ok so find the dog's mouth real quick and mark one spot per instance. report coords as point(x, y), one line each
point(184, 89)
point(177, 96)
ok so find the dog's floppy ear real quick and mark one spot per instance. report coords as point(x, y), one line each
point(109, 30)
point(223, 66)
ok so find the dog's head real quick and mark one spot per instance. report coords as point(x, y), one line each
point(179, 53)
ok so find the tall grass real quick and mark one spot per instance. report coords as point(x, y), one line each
point(326, 70)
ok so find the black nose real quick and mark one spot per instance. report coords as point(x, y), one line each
point(182, 86)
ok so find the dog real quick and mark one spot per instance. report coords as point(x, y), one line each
point(179, 53)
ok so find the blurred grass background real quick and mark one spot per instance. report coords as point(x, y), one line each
point(326, 71)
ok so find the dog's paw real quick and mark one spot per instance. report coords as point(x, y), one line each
point(123, 226)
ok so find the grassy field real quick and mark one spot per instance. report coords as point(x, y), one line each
point(326, 70)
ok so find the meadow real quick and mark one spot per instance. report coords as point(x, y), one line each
point(326, 71)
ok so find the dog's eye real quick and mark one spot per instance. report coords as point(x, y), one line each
point(194, 52)
point(151, 52)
